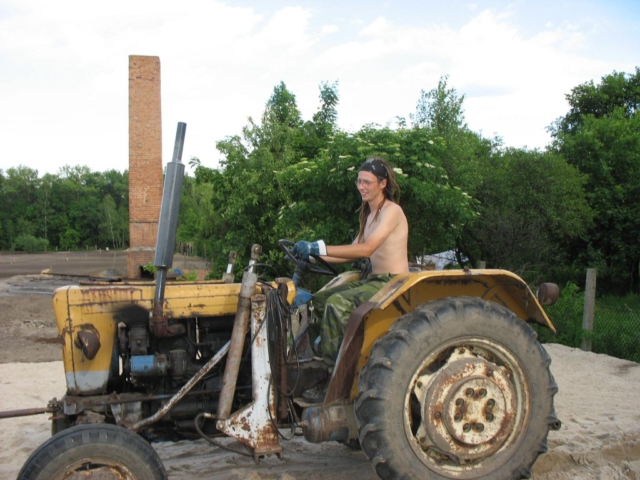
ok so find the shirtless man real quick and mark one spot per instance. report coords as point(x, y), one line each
point(383, 238)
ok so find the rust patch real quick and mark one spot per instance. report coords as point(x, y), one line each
point(49, 340)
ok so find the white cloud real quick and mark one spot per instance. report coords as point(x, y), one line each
point(328, 29)
point(64, 70)
point(379, 27)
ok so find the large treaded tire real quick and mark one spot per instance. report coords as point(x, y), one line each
point(428, 346)
point(94, 446)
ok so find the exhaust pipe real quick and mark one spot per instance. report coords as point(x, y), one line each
point(165, 242)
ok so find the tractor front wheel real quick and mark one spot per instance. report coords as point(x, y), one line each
point(98, 451)
point(459, 388)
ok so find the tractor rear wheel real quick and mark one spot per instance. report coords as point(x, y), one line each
point(98, 450)
point(459, 388)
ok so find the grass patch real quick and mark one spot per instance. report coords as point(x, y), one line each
point(616, 325)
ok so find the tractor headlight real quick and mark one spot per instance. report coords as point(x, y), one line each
point(548, 294)
point(88, 340)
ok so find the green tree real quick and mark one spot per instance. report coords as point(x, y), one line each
point(19, 210)
point(285, 178)
point(31, 244)
point(71, 200)
point(45, 211)
point(441, 111)
point(198, 220)
point(70, 239)
point(530, 204)
point(323, 124)
point(600, 135)
point(78, 198)
point(325, 200)
point(112, 225)
point(247, 196)
point(618, 91)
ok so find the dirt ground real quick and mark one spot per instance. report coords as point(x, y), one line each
point(27, 327)
point(99, 263)
point(28, 331)
point(597, 401)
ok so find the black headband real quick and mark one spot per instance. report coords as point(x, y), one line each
point(375, 166)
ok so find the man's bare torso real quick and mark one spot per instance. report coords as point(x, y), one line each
point(391, 255)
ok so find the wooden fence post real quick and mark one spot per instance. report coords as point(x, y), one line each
point(589, 309)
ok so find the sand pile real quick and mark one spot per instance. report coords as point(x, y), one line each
point(598, 404)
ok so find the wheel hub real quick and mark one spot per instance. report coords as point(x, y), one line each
point(474, 410)
point(469, 408)
point(102, 473)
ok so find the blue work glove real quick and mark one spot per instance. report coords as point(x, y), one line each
point(303, 249)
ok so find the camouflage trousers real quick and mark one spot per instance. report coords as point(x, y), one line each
point(336, 304)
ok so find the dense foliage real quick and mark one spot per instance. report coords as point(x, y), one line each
point(600, 136)
point(544, 214)
point(73, 209)
point(285, 178)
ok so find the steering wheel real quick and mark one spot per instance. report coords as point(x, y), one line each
point(322, 267)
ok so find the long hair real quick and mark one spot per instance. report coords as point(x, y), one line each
point(391, 192)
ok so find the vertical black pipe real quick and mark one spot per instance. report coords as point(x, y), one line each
point(167, 225)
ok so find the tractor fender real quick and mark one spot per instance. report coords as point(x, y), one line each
point(403, 294)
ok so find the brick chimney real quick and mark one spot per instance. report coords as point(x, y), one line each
point(145, 161)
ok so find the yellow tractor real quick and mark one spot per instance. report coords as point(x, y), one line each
point(439, 375)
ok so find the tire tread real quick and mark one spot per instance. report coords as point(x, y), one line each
point(114, 440)
point(408, 331)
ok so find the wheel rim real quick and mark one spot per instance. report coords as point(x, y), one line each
point(100, 468)
point(465, 406)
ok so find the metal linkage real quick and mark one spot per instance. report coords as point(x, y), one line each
point(241, 323)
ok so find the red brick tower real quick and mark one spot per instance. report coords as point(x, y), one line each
point(145, 161)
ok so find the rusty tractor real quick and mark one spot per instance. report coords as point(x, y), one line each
point(439, 375)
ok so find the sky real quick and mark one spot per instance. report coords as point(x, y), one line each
point(64, 67)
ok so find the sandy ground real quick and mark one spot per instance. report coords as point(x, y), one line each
point(598, 404)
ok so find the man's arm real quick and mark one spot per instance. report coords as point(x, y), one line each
point(389, 220)
point(332, 259)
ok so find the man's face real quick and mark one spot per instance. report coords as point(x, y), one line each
point(369, 186)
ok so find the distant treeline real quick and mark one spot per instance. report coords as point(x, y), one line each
point(545, 214)
point(74, 209)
